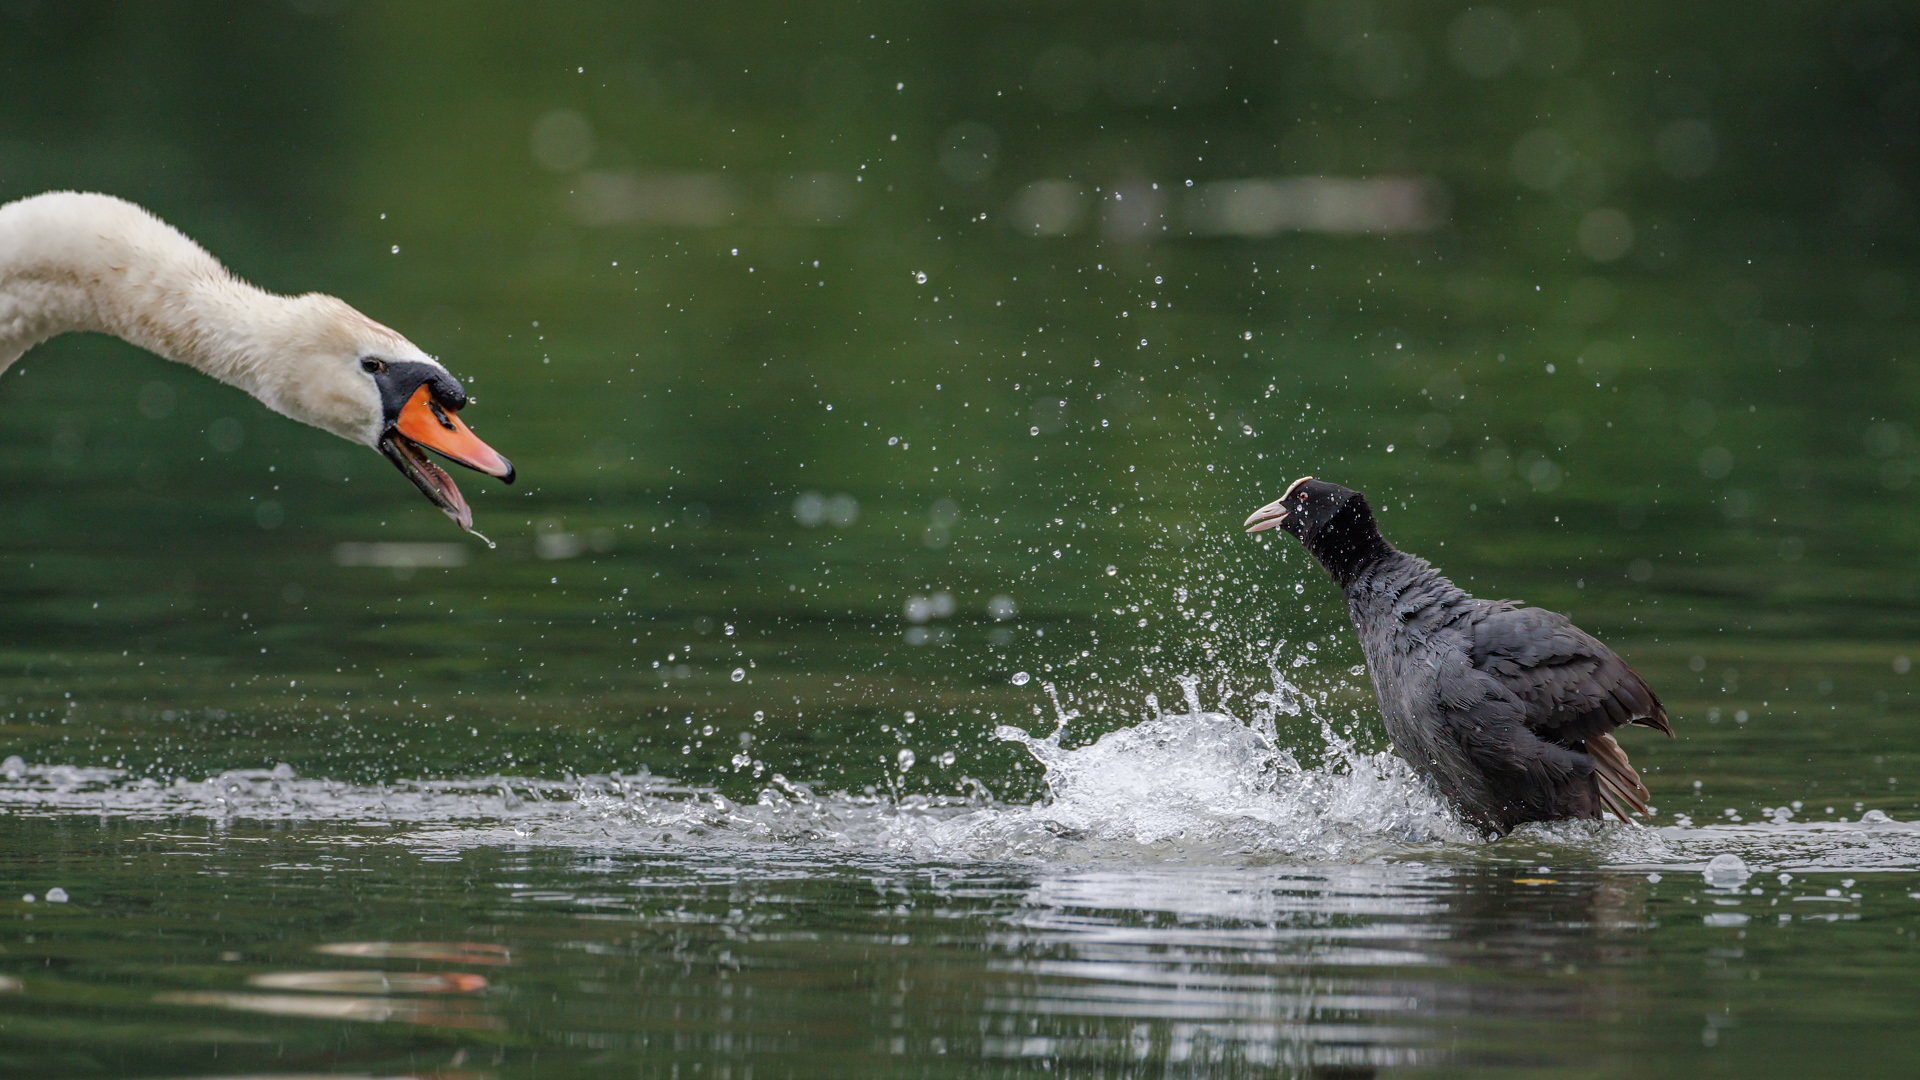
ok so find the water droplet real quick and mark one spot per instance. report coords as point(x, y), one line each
point(920, 276)
point(906, 760)
point(1725, 871)
point(56, 895)
point(1021, 678)
point(739, 674)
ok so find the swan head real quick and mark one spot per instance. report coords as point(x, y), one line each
point(342, 372)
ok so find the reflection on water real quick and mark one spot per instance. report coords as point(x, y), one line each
point(1262, 969)
point(458, 952)
point(724, 960)
point(377, 1010)
point(1189, 899)
point(370, 982)
point(1197, 894)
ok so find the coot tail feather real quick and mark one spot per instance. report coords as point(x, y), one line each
point(1619, 784)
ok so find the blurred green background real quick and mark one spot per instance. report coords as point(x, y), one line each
point(856, 357)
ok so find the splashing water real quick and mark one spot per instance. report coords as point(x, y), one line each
point(1206, 785)
point(1198, 787)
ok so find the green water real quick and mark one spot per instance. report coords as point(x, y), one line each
point(821, 446)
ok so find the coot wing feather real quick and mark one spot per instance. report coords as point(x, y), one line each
point(1521, 707)
point(1574, 687)
point(1515, 774)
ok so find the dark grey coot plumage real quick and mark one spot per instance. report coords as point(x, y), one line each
point(1509, 709)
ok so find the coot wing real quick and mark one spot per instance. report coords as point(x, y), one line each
point(1572, 690)
point(1495, 766)
point(1574, 687)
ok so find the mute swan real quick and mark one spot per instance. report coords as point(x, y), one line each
point(71, 261)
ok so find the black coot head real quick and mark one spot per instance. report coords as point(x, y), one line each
point(1307, 509)
point(1334, 523)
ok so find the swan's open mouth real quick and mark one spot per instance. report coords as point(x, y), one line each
point(424, 425)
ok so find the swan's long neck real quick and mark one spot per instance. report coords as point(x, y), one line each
point(92, 262)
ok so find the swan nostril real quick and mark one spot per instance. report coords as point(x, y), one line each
point(440, 415)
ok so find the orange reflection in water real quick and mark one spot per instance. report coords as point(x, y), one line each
point(371, 982)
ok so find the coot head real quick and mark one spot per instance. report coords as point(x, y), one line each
point(1335, 523)
point(1307, 510)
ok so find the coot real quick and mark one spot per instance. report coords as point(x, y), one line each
point(1509, 709)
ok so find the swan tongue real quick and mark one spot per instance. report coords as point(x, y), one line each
point(431, 479)
point(426, 422)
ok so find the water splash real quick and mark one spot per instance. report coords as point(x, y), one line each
point(1195, 786)
point(1205, 785)
point(1199, 787)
